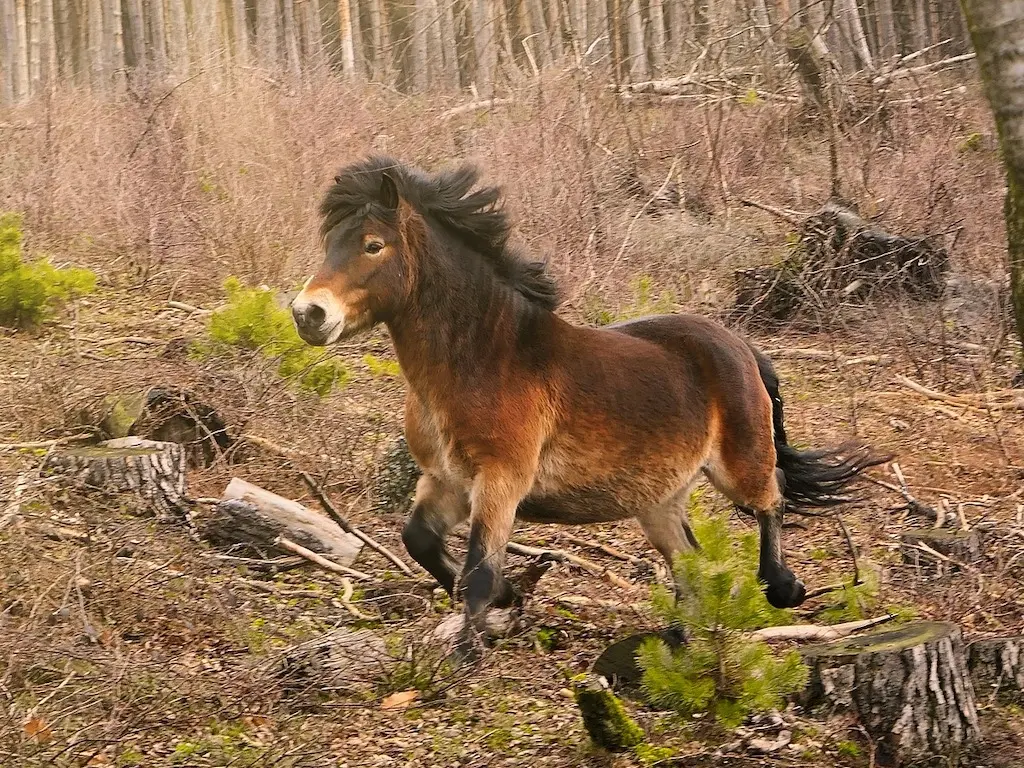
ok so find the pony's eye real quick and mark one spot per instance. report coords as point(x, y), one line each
point(374, 247)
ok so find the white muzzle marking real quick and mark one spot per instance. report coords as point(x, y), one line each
point(334, 311)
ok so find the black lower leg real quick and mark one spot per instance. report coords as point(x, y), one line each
point(425, 544)
point(784, 589)
point(481, 576)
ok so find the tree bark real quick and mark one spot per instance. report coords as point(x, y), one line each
point(35, 56)
point(313, 47)
point(997, 667)
point(177, 48)
point(252, 515)
point(448, 53)
point(657, 38)
point(909, 687)
point(135, 45)
point(997, 31)
point(155, 471)
point(97, 68)
point(419, 75)
point(158, 30)
point(381, 40)
point(112, 18)
point(539, 41)
point(267, 35)
point(485, 45)
point(638, 69)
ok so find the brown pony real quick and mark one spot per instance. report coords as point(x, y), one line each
point(513, 412)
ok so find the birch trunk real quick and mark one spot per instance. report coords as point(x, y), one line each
point(997, 31)
point(637, 50)
point(240, 28)
point(539, 42)
point(851, 18)
point(113, 19)
point(348, 51)
point(358, 48)
point(448, 54)
point(291, 40)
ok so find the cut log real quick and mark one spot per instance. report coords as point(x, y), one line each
point(249, 514)
point(154, 471)
point(500, 622)
point(997, 667)
point(909, 687)
point(940, 550)
point(842, 258)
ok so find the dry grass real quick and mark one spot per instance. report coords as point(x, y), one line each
point(123, 642)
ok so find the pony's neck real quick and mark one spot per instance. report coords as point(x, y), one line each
point(461, 326)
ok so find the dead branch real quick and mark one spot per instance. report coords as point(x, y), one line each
point(606, 549)
point(816, 633)
point(188, 308)
point(319, 560)
point(786, 214)
point(475, 106)
point(43, 443)
point(344, 524)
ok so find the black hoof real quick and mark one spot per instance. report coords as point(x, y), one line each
point(508, 597)
point(786, 593)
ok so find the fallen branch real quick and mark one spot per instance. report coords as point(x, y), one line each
point(43, 443)
point(188, 308)
point(558, 555)
point(319, 560)
point(818, 633)
point(786, 214)
point(474, 106)
point(888, 77)
point(606, 549)
point(140, 340)
point(932, 394)
point(346, 599)
point(344, 524)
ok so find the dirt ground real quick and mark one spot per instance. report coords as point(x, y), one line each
point(125, 642)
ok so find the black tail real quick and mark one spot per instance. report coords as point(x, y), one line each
point(815, 478)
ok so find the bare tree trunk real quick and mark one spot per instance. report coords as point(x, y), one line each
point(113, 18)
point(136, 41)
point(267, 35)
point(637, 50)
point(240, 28)
point(485, 45)
point(555, 29)
point(35, 58)
point(851, 20)
point(888, 41)
point(21, 75)
point(657, 38)
point(178, 41)
point(348, 51)
point(381, 38)
point(65, 44)
point(676, 23)
point(97, 73)
point(418, 32)
point(157, 35)
point(539, 41)
point(997, 29)
point(8, 34)
point(291, 40)
point(448, 53)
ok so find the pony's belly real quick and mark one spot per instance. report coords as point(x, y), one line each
point(575, 506)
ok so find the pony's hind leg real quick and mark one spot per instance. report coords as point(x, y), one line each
point(438, 507)
point(754, 486)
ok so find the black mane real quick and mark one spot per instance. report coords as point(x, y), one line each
point(474, 217)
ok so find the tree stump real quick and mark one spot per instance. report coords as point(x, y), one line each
point(962, 547)
point(341, 661)
point(249, 514)
point(909, 687)
point(395, 480)
point(997, 666)
point(153, 470)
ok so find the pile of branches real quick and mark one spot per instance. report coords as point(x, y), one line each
point(839, 258)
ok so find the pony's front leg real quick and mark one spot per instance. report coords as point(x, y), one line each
point(494, 499)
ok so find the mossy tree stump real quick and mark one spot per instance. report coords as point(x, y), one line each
point(153, 470)
point(997, 666)
point(605, 719)
point(909, 687)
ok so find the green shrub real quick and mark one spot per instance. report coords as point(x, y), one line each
point(30, 292)
point(723, 670)
point(252, 320)
point(643, 303)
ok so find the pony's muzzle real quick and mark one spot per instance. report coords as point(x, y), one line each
point(314, 324)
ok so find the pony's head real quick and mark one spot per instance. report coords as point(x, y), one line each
point(364, 275)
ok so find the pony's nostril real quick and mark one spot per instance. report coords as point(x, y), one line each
point(311, 316)
point(315, 316)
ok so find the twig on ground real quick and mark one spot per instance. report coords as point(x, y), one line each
point(913, 505)
point(605, 548)
point(140, 340)
point(853, 550)
point(344, 524)
point(346, 600)
point(328, 565)
point(188, 308)
point(474, 106)
point(787, 215)
point(43, 443)
point(558, 555)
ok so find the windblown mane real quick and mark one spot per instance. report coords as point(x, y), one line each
point(448, 198)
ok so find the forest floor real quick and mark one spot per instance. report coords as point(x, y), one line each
point(127, 643)
point(124, 642)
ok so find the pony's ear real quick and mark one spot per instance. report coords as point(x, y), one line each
point(388, 192)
